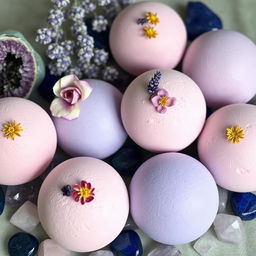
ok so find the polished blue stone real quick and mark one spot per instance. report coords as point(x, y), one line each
point(23, 244)
point(128, 243)
point(200, 19)
point(2, 200)
point(45, 88)
point(243, 205)
point(127, 160)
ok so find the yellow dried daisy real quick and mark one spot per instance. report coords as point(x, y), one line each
point(234, 134)
point(152, 18)
point(149, 32)
point(11, 129)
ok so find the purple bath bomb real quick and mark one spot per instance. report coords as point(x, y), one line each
point(174, 198)
point(98, 131)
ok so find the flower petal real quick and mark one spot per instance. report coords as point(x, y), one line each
point(89, 199)
point(82, 200)
point(89, 185)
point(70, 94)
point(163, 110)
point(60, 108)
point(155, 100)
point(76, 187)
point(65, 81)
point(162, 92)
point(85, 88)
point(83, 183)
point(171, 101)
point(160, 108)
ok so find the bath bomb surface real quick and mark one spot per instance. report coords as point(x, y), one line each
point(170, 131)
point(94, 224)
point(137, 52)
point(98, 131)
point(222, 64)
point(227, 147)
point(174, 198)
point(27, 140)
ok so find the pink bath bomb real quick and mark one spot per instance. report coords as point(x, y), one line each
point(170, 131)
point(231, 157)
point(89, 226)
point(98, 131)
point(137, 53)
point(222, 63)
point(174, 198)
point(27, 140)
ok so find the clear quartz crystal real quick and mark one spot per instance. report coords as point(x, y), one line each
point(101, 253)
point(229, 228)
point(204, 245)
point(223, 199)
point(49, 248)
point(26, 217)
point(166, 250)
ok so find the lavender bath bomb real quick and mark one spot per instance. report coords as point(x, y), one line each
point(98, 131)
point(174, 198)
point(222, 63)
point(27, 140)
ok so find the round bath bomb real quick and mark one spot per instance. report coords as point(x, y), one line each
point(27, 140)
point(227, 147)
point(98, 131)
point(147, 35)
point(222, 64)
point(93, 214)
point(169, 119)
point(174, 198)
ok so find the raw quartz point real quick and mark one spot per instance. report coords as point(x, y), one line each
point(26, 217)
point(229, 228)
point(166, 250)
point(101, 253)
point(49, 248)
point(223, 199)
point(204, 245)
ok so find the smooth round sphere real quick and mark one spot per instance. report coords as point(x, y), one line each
point(222, 64)
point(231, 157)
point(98, 131)
point(137, 53)
point(174, 198)
point(83, 227)
point(178, 126)
point(27, 140)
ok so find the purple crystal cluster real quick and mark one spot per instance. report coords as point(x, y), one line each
point(78, 49)
point(17, 68)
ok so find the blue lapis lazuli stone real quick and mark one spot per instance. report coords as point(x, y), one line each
point(127, 160)
point(45, 89)
point(2, 200)
point(200, 19)
point(23, 244)
point(243, 205)
point(128, 243)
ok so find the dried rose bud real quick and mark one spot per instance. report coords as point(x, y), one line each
point(21, 67)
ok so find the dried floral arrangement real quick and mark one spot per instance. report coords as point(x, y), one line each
point(76, 38)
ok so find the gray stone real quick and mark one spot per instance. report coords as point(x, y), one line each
point(223, 199)
point(166, 250)
point(102, 253)
point(204, 245)
point(229, 228)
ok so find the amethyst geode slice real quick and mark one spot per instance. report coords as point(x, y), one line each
point(21, 67)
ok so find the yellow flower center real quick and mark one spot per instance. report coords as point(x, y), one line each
point(163, 101)
point(152, 18)
point(150, 32)
point(84, 192)
point(234, 134)
point(11, 129)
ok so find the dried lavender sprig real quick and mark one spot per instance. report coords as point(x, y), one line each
point(154, 82)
